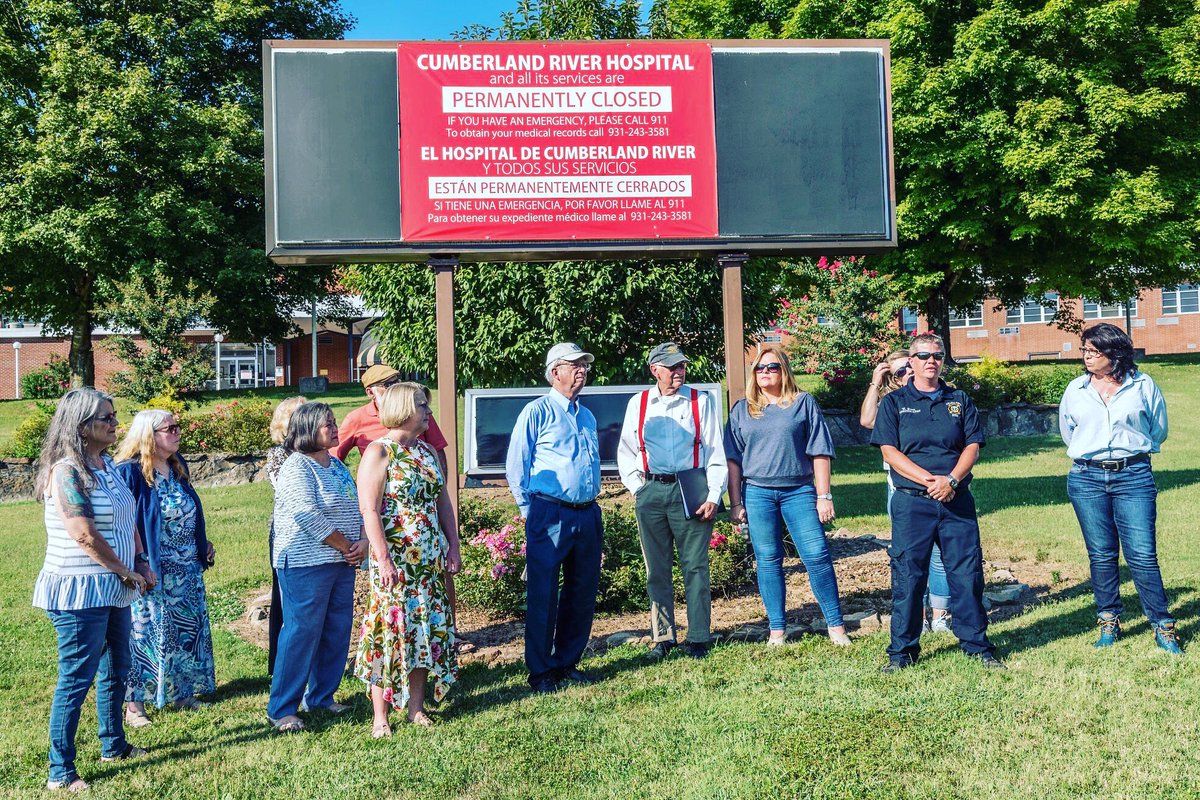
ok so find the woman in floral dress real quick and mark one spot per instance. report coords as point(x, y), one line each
point(407, 633)
point(171, 641)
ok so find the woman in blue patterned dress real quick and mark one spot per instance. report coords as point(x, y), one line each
point(171, 642)
point(90, 576)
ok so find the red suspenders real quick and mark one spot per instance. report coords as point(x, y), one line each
point(642, 425)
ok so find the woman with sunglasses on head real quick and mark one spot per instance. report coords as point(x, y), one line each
point(171, 640)
point(1112, 418)
point(887, 377)
point(90, 576)
point(779, 452)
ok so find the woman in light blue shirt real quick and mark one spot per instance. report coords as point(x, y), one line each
point(1112, 418)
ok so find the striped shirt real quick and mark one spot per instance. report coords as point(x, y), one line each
point(311, 502)
point(70, 580)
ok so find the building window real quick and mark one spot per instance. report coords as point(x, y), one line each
point(1035, 309)
point(908, 320)
point(1095, 310)
point(1183, 299)
point(972, 318)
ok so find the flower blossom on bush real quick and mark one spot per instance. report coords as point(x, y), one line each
point(717, 540)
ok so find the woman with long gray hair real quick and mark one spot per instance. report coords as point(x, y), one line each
point(171, 640)
point(89, 577)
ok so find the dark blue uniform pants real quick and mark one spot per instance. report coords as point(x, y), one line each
point(917, 523)
point(558, 622)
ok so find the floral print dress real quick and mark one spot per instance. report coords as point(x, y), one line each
point(171, 642)
point(409, 626)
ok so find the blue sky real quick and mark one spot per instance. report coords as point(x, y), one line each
point(421, 19)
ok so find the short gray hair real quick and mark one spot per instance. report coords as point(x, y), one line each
point(304, 428)
point(65, 440)
point(928, 336)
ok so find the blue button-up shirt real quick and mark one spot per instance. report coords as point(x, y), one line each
point(1133, 422)
point(554, 451)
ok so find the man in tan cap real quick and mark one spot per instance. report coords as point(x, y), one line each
point(362, 426)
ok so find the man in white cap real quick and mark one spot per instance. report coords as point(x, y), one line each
point(553, 470)
point(670, 428)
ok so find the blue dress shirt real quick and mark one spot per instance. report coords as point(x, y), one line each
point(554, 451)
point(1133, 422)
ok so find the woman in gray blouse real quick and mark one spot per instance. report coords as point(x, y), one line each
point(779, 452)
point(318, 543)
point(88, 578)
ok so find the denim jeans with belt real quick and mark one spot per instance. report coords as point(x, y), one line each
point(93, 643)
point(766, 509)
point(1117, 511)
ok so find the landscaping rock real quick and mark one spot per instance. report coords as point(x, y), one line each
point(796, 631)
point(1003, 576)
point(1005, 596)
point(623, 637)
point(863, 622)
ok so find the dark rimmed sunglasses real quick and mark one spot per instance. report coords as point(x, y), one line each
point(172, 429)
point(773, 368)
point(925, 355)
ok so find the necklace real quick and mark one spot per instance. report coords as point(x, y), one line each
point(1106, 389)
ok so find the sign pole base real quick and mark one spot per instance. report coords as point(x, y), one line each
point(443, 273)
point(735, 335)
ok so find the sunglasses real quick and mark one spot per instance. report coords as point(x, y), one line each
point(105, 419)
point(773, 368)
point(171, 429)
point(900, 373)
point(925, 355)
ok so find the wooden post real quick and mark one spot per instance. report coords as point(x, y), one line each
point(735, 335)
point(447, 381)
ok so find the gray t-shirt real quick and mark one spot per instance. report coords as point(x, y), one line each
point(776, 450)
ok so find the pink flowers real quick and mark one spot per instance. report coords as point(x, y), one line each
point(498, 569)
point(498, 544)
point(717, 540)
point(501, 546)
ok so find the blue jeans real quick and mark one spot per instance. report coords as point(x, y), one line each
point(796, 506)
point(93, 643)
point(560, 543)
point(939, 588)
point(315, 638)
point(1117, 510)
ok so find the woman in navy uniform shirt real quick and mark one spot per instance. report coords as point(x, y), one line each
point(930, 434)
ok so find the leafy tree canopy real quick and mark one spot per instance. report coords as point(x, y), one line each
point(131, 145)
point(1038, 147)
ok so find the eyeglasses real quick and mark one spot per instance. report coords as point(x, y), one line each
point(105, 419)
point(773, 368)
point(680, 367)
point(1089, 352)
point(171, 429)
point(585, 367)
point(925, 355)
point(900, 373)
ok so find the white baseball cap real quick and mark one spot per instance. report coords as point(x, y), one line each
point(567, 351)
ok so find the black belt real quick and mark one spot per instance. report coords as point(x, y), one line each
point(1113, 464)
point(913, 492)
point(660, 478)
point(566, 504)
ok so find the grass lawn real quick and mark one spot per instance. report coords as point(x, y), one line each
point(806, 720)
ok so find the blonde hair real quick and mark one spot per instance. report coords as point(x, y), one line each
point(139, 444)
point(283, 412)
point(756, 400)
point(399, 403)
point(892, 383)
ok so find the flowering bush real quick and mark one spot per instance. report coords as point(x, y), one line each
point(991, 382)
point(239, 426)
point(493, 550)
point(31, 432)
point(48, 383)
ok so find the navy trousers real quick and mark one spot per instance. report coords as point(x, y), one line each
point(558, 622)
point(918, 523)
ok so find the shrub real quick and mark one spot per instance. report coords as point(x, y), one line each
point(493, 549)
point(239, 426)
point(168, 401)
point(991, 382)
point(31, 432)
point(49, 382)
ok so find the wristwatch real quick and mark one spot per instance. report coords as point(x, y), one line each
point(953, 481)
point(142, 558)
point(826, 496)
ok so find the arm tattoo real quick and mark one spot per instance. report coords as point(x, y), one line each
point(75, 501)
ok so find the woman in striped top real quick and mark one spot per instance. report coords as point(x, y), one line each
point(88, 578)
point(318, 543)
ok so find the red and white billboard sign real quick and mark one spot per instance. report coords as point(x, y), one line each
point(556, 141)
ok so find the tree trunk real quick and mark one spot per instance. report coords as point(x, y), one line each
point(937, 312)
point(81, 358)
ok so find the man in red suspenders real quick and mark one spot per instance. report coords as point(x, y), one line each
point(670, 428)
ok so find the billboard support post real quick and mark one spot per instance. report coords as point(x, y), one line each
point(735, 337)
point(443, 273)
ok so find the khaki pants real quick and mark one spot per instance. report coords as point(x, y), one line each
point(662, 528)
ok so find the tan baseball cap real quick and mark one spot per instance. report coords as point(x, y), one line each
point(378, 374)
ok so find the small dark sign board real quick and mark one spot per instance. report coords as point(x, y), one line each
point(314, 385)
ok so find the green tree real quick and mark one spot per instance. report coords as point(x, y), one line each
point(1038, 147)
point(507, 315)
point(131, 145)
